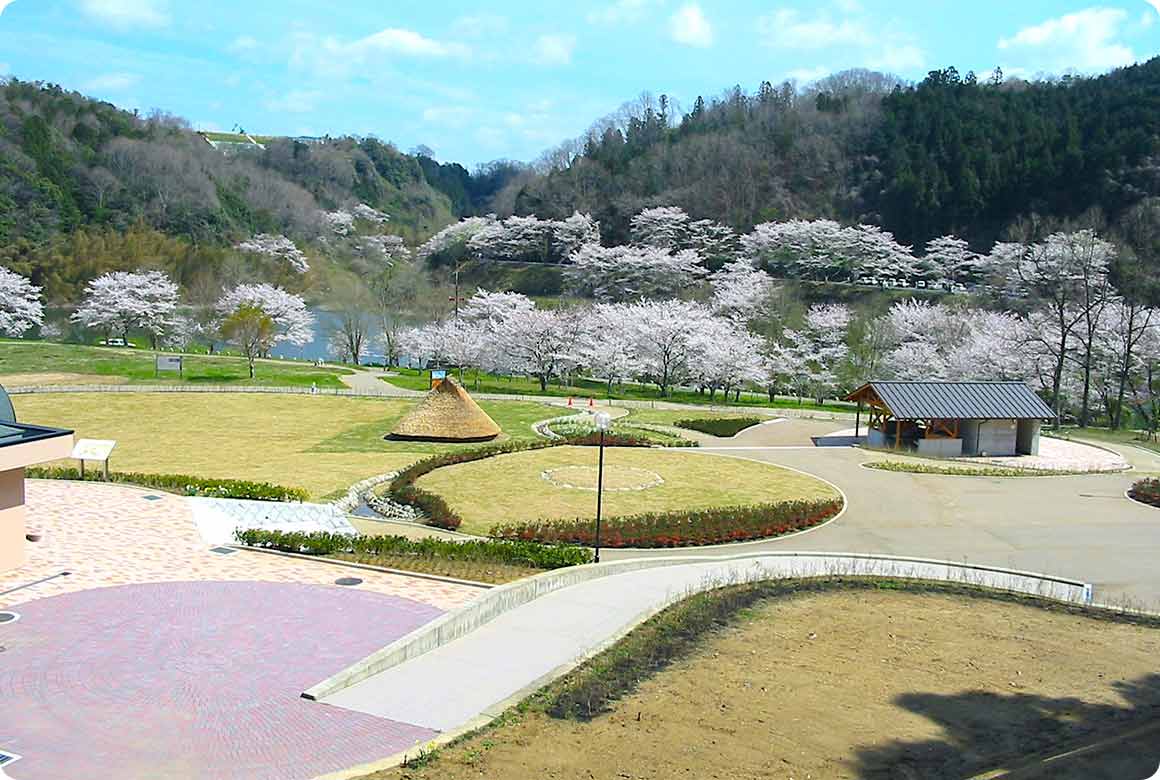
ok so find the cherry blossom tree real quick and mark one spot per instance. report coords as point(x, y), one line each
point(575, 232)
point(608, 347)
point(20, 305)
point(665, 227)
point(293, 322)
point(934, 341)
point(120, 301)
point(726, 356)
point(340, 222)
point(951, 259)
point(453, 239)
point(515, 238)
point(713, 242)
point(369, 214)
point(388, 248)
point(811, 356)
point(665, 333)
point(824, 250)
point(538, 343)
point(1067, 276)
point(626, 273)
point(277, 247)
point(740, 291)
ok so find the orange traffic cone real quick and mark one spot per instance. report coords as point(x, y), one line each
point(569, 402)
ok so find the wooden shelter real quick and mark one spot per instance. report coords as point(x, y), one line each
point(449, 414)
point(953, 418)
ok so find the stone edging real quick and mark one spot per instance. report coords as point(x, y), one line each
point(354, 495)
point(504, 598)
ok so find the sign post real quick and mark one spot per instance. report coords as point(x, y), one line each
point(168, 363)
point(93, 449)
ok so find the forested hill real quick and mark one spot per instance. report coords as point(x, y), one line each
point(953, 154)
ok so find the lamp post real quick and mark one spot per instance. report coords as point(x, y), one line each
point(603, 423)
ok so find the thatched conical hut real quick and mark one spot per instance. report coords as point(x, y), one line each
point(448, 413)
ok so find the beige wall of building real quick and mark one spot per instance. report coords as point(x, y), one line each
point(14, 458)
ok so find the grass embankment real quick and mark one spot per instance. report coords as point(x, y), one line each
point(324, 444)
point(480, 561)
point(484, 382)
point(734, 683)
point(530, 486)
point(1106, 436)
point(42, 362)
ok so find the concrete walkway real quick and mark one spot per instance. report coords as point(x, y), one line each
point(485, 671)
point(1081, 527)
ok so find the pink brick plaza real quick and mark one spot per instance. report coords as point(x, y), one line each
point(156, 658)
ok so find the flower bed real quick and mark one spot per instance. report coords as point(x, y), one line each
point(529, 554)
point(724, 427)
point(680, 529)
point(579, 428)
point(906, 467)
point(178, 483)
point(438, 512)
point(1146, 491)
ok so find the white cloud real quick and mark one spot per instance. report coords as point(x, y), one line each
point(850, 34)
point(244, 44)
point(808, 75)
point(1147, 19)
point(127, 13)
point(553, 49)
point(297, 101)
point(450, 116)
point(690, 27)
point(787, 28)
point(5, 68)
point(1155, 4)
point(480, 25)
point(408, 43)
point(623, 12)
point(111, 82)
point(1085, 41)
point(4, 4)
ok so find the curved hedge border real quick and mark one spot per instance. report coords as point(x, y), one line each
point(721, 427)
point(692, 528)
point(530, 554)
point(179, 483)
point(1146, 491)
point(439, 513)
point(901, 467)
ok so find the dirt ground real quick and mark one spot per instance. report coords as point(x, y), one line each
point(863, 684)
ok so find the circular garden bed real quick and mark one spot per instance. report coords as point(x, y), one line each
point(653, 498)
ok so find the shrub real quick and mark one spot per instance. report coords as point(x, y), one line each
point(403, 490)
point(530, 554)
point(186, 485)
point(906, 467)
point(679, 529)
point(723, 427)
point(1146, 491)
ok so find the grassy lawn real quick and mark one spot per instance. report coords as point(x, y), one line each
point(511, 488)
point(42, 362)
point(482, 382)
point(321, 443)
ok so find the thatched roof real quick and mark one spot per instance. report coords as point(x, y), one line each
point(448, 413)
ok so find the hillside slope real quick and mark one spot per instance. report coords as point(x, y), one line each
point(952, 154)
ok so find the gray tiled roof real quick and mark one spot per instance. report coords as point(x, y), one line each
point(962, 400)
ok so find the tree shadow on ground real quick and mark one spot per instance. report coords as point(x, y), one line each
point(985, 731)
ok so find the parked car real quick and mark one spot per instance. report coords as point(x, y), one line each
point(116, 343)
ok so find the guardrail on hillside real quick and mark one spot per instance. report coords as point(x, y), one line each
point(780, 565)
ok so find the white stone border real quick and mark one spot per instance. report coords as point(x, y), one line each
point(497, 601)
point(549, 477)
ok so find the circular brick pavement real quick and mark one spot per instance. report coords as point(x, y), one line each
point(194, 680)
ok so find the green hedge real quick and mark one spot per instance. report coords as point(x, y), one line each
point(724, 427)
point(679, 529)
point(530, 554)
point(179, 483)
point(439, 513)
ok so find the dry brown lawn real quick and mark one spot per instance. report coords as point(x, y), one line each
point(862, 684)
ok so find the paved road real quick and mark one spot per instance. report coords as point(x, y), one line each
point(1079, 527)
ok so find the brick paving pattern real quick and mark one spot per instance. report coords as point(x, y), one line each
point(170, 681)
point(109, 535)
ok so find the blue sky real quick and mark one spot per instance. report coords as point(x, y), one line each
point(480, 81)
